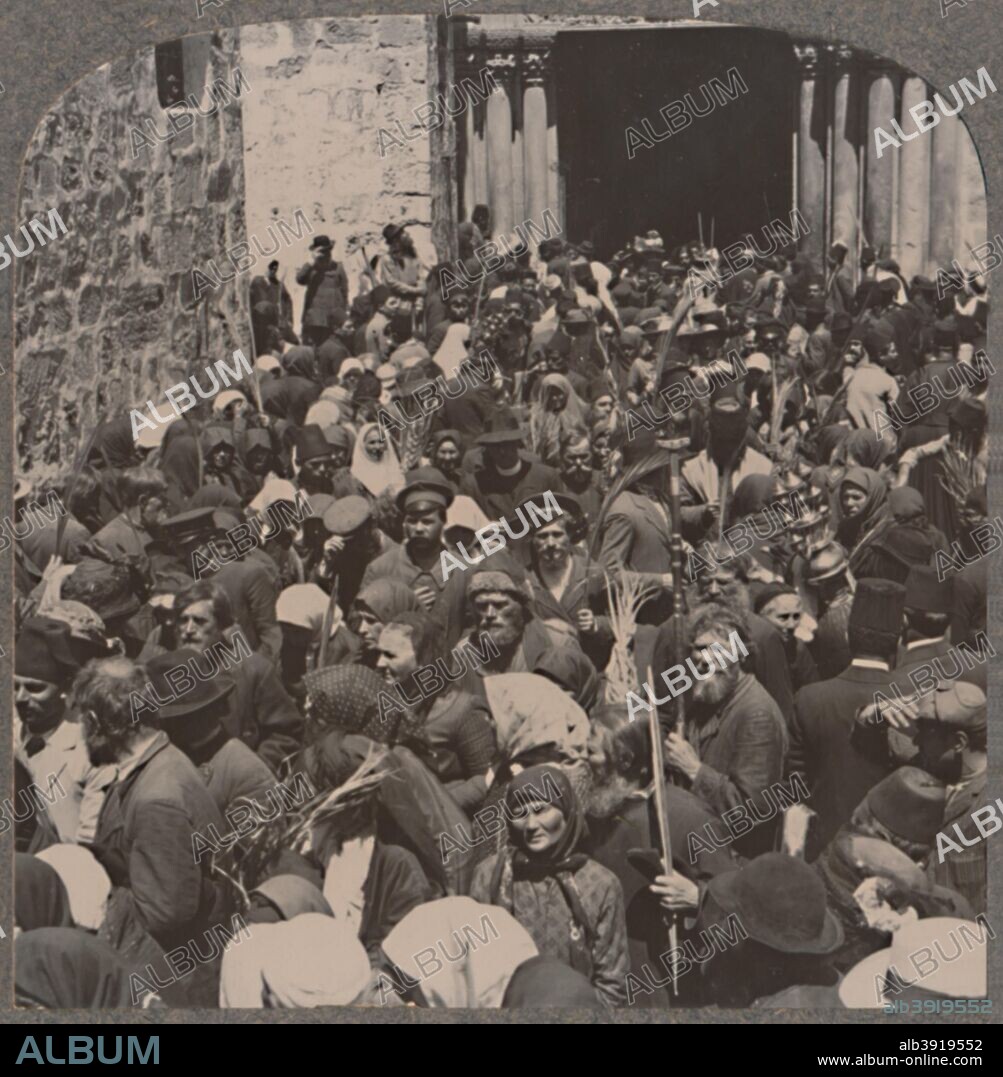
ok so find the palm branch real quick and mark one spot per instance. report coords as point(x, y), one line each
point(627, 593)
point(623, 481)
point(959, 472)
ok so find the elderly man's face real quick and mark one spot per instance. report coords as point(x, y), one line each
point(197, 627)
point(576, 461)
point(501, 616)
point(721, 685)
point(721, 583)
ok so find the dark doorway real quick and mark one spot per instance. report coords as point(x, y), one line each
point(733, 164)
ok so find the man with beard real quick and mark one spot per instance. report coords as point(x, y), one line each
point(500, 599)
point(314, 457)
point(949, 730)
point(838, 774)
point(781, 606)
point(144, 508)
point(623, 837)
point(564, 587)
point(711, 477)
point(202, 538)
point(161, 898)
point(418, 561)
point(505, 477)
point(577, 475)
point(722, 578)
point(735, 739)
point(46, 742)
point(401, 269)
point(261, 713)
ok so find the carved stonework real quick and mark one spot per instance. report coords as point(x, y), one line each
point(536, 67)
point(808, 60)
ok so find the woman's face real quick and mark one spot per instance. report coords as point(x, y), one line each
point(852, 500)
point(368, 627)
point(396, 654)
point(556, 398)
point(447, 456)
point(540, 825)
point(603, 406)
point(373, 445)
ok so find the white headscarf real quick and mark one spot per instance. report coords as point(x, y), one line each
point(453, 349)
point(86, 881)
point(376, 475)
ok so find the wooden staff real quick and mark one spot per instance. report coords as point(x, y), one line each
point(658, 782)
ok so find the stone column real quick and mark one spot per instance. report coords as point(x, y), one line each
point(971, 221)
point(498, 136)
point(879, 180)
point(944, 188)
point(475, 170)
point(845, 161)
point(534, 134)
point(811, 137)
point(913, 232)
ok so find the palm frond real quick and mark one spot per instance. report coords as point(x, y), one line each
point(959, 472)
point(623, 481)
point(627, 593)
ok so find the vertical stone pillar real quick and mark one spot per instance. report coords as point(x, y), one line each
point(845, 148)
point(913, 232)
point(971, 224)
point(498, 136)
point(811, 138)
point(879, 179)
point(943, 187)
point(475, 171)
point(534, 133)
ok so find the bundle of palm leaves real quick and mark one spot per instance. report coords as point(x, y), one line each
point(960, 473)
point(413, 441)
point(627, 593)
point(249, 861)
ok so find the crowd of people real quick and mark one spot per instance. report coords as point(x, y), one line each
point(284, 704)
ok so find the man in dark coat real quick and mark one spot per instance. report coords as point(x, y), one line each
point(161, 898)
point(326, 299)
point(824, 713)
point(261, 713)
point(144, 499)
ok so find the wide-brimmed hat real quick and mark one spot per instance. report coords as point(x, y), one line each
point(321, 241)
point(502, 428)
point(781, 902)
point(392, 231)
point(202, 695)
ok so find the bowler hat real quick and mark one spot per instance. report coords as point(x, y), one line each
point(43, 651)
point(502, 428)
point(320, 241)
point(910, 804)
point(781, 903)
point(191, 526)
point(202, 694)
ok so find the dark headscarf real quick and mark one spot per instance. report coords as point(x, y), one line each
point(40, 899)
point(868, 450)
point(344, 697)
point(63, 968)
point(340, 437)
point(179, 462)
point(300, 361)
point(216, 434)
point(875, 511)
point(446, 435)
point(572, 670)
point(829, 439)
point(906, 504)
point(115, 444)
point(386, 598)
point(563, 855)
point(751, 496)
point(547, 981)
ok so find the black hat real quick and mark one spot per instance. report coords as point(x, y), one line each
point(502, 428)
point(311, 443)
point(392, 231)
point(426, 486)
point(202, 695)
point(43, 651)
point(321, 241)
point(922, 284)
point(878, 605)
point(925, 591)
point(192, 526)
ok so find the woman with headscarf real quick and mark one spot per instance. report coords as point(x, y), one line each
point(862, 448)
point(863, 509)
point(570, 905)
point(345, 698)
point(374, 461)
point(309, 961)
point(61, 968)
point(112, 451)
point(375, 605)
point(181, 463)
point(477, 947)
point(260, 457)
point(448, 729)
point(446, 453)
point(40, 898)
point(221, 466)
point(907, 507)
point(453, 349)
point(556, 412)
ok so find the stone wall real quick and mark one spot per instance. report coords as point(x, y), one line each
point(323, 88)
point(102, 323)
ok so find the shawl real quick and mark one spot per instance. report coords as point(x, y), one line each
point(375, 475)
point(40, 898)
point(63, 968)
point(874, 515)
